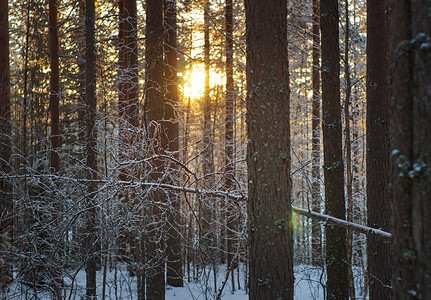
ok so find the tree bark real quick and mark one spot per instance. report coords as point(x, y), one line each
point(315, 167)
point(6, 205)
point(154, 104)
point(378, 190)
point(348, 146)
point(90, 99)
point(268, 151)
point(410, 28)
point(229, 138)
point(171, 144)
point(54, 88)
point(336, 255)
point(55, 136)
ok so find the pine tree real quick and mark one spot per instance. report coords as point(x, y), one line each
point(336, 254)
point(410, 29)
point(155, 246)
point(6, 205)
point(171, 143)
point(91, 163)
point(378, 190)
point(268, 151)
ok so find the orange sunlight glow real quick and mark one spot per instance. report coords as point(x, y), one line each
point(194, 81)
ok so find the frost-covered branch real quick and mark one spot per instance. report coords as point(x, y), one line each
point(343, 223)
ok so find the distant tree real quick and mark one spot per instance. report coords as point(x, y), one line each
point(155, 246)
point(410, 130)
point(336, 255)
point(315, 167)
point(378, 190)
point(6, 205)
point(268, 151)
point(171, 142)
point(91, 149)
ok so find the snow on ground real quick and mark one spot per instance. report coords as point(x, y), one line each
point(119, 285)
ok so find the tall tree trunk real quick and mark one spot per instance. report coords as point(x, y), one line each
point(315, 167)
point(268, 151)
point(90, 99)
point(154, 104)
point(6, 205)
point(336, 257)
point(229, 140)
point(348, 145)
point(208, 160)
point(54, 87)
point(410, 29)
point(128, 87)
point(55, 135)
point(171, 143)
point(378, 190)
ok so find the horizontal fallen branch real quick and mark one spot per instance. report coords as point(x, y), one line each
point(343, 223)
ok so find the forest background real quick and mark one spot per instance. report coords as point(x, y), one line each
point(170, 138)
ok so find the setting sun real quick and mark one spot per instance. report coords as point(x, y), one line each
point(194, 81)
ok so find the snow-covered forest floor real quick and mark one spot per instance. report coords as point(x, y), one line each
point(309, 285)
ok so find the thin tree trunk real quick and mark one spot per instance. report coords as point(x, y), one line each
point(90, 96)
point(348, 145)
point(208, 160)
point(6, 204)
point(336, 256)
point(229, 141)
point(55, 134)
point(268, 151)
point(315, 167)
point(378, 155)
point(54, 88)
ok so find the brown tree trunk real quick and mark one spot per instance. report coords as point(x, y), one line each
point(315, 167)
point(128, 63)
point(268, 151)
point(81, 70)
point(55, 133)
point(90, 99)
point(336, 257)
point(154, 104)
point(410, 28)
point(229, 141)
point(378, 190)
point(6, 205)
point(348, 145)
point(54, 88)
point(171, 144)
point(128, 94)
